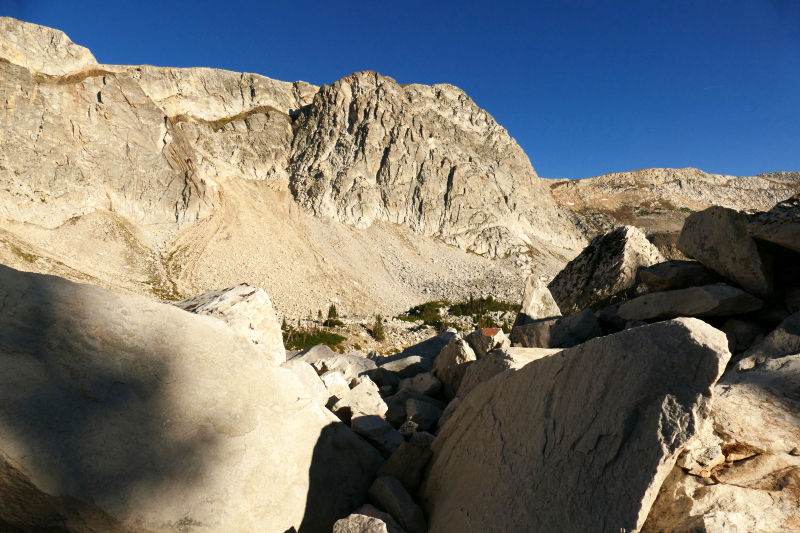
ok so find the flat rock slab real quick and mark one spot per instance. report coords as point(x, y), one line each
point(154, 416)
point(779, 225)
point(545, 333)
point(607, 267)
point(579, 441)
point(711, 300)
point(675, 275)
point(537, 302)
point(718, 237)
point(408, 367)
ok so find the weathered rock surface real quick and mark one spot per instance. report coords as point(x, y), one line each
point(581, 327)
point(397, 404)
point(408, 461)
point(408, 367)
point(546, 333)
point(483, 341)
point(521, 458)
point(743, 332)
point(149, 416)
point(711, 300)
point(364, 399)
point(607, 267)
point(756, 487)
point(537, 302)
point(378, 432)
point(310, 380)
point(388, 493)
point(783, 340)
point(426, 383)
point(336, 384)
point(452, 363)
point(719, 239)
point(780, 225)
point(674, 275)
point(368, 519)
point(248, 310)
point(423, 414)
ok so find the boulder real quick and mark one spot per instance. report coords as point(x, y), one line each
point(385, 378)
point(546, 333)
point(577, 441)
point(743, 332)
point(377, 432)
point(452, 363)
point(310, 380)
point(537, 302)
point(675, 275)
point(483, 341)
point(368, 519)
point(780, 225)
point(388, 493)
point(608, 319)
point(792, 299)
point(409, 460)
point(324, 360)
point(496, 362)
point(423, 414)
point(581, 327)
point(336, 384)
point(248, 311)
point(711, 300)
point(425, 383)
point(605, 269)
point(408, 367)
point(124, 411)
point(397, 414)
point(718, 238)
point(364, 399)
point(784, 340)
point(756, 485)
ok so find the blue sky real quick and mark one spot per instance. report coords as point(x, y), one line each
point(586, 87)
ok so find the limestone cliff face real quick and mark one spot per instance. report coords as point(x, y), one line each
point(369, 149)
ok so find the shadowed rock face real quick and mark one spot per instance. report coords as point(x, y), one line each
point(139, 416)
point(368, 149)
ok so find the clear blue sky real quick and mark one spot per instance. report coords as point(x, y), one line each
point(585, 87)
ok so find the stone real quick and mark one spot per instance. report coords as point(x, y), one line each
point(537, 302)
point(547, 333)
point(581, 327)
point(248, 311)
point(605, 269)
point(711, 300)
point(784, 340)
point(792, 299)
point(165, 416)
point(780, 225)
point(649, 390)
point(718, 238)
point(336, 384)
point(408, 367)
point(675, 275)
point(483, 341)
point(496, 362)
point(364, 399)
point(744, 333)
point(423, 414)
point(368, 519)
point(388, 493)
point(310, 380)
point(396, 414)
point(451, 365)
point(757, 485)
point(385, 378)
point(408, 428)
point(635, 324)
point(608, 319)
point(408, 462)
point(351, 366)
point(378, 432)
point(425, 383)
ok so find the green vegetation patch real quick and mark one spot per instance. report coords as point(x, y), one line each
point(295, 339)
point(481, 306)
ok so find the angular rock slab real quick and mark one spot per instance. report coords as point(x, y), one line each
point(484, 340)
point(545, 333)
point(675, 275)
point(388, 493)
point(711, 300)
point(780, 225)
point(718, 237)
point(783, 340)
point(248, 311)
point(452, 363)
point(156, 416)
point(605, 268)
point(577, 441)
point(368, 519)
point(537, 302)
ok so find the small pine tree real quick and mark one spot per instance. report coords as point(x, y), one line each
point(377, 330)
point(319, 315)
point(506, 327)
point(332, 313)
point(284, 325)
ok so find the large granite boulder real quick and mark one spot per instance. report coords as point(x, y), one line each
point(248, 310)
point(711, 300)
point(484, 340)
point(452, 363)
point(607, 267)
point(544, 333)
point(753, 483)
point(580, 440)
point(779, 225)
point(146, 417)
point(718, 237)
point(537, 302)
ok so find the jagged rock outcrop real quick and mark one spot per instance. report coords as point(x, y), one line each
point(368, 149)
point(537, 302)
point(608, 267)
point(517, 457)
point(148, 417)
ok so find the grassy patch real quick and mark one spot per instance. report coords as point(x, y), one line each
point(479, 306)
point(295, 339)
point(687, 210)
